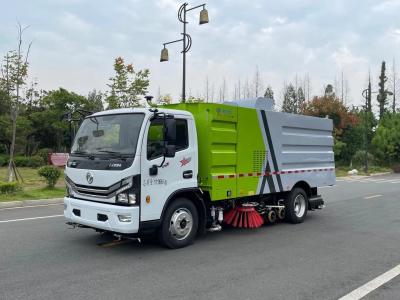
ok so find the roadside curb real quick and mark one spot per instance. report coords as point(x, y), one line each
point(12, 204)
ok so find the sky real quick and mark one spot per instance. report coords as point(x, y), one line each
point(75, 43)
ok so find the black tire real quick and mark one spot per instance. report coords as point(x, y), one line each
point(294, 214)
point(169, 235)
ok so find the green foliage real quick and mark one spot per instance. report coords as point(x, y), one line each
point(3, 160)
point(386, 141)
point(51, 175)
point(94, 101)
point(289, 104)
point(269, 93)
point(300, 98)
point(9, 187)
point(49, 129)
point(28, 161)
point(358, 159)
point(127, 85)
point(338, 148)
point(44, 154)
point(382, 94)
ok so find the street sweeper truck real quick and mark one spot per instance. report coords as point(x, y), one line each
point(184, 169)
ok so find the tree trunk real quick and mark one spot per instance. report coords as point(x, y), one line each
point(12, 147)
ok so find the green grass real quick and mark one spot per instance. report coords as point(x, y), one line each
point(33, 186)
point(342, 171)
point(41, 193)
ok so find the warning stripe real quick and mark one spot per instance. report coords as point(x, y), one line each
point(266, 174)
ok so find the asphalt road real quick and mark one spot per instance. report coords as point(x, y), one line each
point(350, 242)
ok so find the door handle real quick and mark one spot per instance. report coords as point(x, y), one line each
point(188, 174)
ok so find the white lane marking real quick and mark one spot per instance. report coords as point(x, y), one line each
point(373, 196)
point(30, 206)
point(375, 179)
point(27, 219)
point(372, 285)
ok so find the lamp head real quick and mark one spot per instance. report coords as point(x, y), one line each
point(203, 16)
point(164, 55)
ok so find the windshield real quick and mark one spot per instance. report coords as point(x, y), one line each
point(109, 134)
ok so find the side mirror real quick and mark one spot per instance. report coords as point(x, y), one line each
point(170, 151)
point(98, 133)
point(170, 131)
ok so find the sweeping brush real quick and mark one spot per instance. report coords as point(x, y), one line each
point(244, 216)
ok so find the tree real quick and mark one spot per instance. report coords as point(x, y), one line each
point(382, 93)
point(14, 74)
point(269, 93)
point(289, 104)
point(369, 95)
point(300, 98)
point(386, 141)
point(49, 128)
point(329, 91)
point(95, 101)
point(257, 83)
point(127, 85)
point(333, 108)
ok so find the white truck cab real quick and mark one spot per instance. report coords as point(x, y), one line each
point(108, 177)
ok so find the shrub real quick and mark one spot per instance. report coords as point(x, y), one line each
point(21, 161)
point(9, 187)
point(35, 162)
point(3, 161)
point(358, 159)
point(28, 161)
point(44, 154)
point(50, 174)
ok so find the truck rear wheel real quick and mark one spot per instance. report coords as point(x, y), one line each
point(179, 225)
point(296, 206)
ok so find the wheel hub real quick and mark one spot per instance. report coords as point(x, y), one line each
point(299, 206)
point(181, 223)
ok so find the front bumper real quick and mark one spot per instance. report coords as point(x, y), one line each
point(101, 216)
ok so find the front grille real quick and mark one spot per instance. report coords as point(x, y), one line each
point(99, 192)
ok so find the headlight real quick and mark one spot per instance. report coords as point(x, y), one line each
point(126, 198)
point(129, 193)
point(122, 198)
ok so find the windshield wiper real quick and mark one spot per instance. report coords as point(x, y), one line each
point(115, 153)
point(84, 153)
point(109, 151)
point(80, 152)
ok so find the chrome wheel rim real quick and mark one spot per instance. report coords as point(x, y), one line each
point(299, 205)
point(181, 224)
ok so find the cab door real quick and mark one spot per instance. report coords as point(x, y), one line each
point(174, 173)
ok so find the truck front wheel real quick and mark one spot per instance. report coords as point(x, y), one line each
point(296, 206)
point(179, 225)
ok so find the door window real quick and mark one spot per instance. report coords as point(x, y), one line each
point(155, 138)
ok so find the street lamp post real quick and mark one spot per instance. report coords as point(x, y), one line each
point(366, 94)
point(186, 40)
